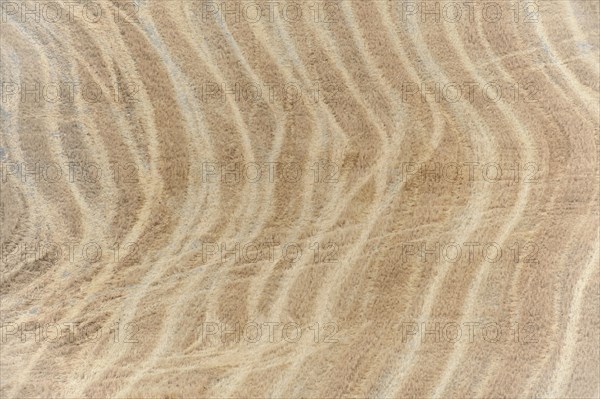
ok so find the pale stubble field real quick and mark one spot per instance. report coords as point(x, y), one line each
point(299, 199)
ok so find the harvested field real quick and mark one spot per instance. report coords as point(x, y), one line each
point(300, 199)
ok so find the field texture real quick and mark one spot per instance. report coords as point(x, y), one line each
point(300, 199)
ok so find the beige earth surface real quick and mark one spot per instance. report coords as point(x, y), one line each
point(300, 199)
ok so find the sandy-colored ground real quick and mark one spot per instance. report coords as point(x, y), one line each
point(328, 199)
